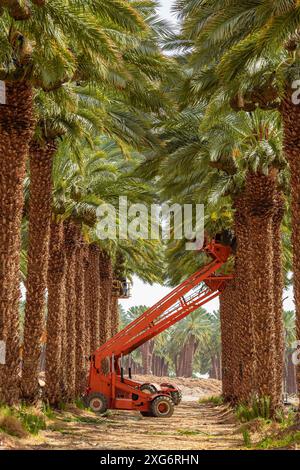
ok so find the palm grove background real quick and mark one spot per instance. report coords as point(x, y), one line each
point(95, 108)
point(193, 348)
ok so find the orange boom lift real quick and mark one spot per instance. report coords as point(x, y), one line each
point(108, 388)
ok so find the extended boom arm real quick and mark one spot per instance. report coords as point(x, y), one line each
point(198, 289)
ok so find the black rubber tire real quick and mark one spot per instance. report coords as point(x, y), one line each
point(97, 402)
point(176, 397)
point(148, 388)
point(156, 406)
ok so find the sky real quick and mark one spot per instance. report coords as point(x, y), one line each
point(143, 294)
point(165, 8)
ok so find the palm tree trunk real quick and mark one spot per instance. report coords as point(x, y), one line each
point(244, 365)
point(177, 364)
point(151, 349)
point(278, 283)
point(87, 301)
point(261, 191)
point(182, 361)
point(16, 130)
point(41, 157)
point(94, 296)
point(219, 367)
point(227, 313)
point(214, 367)
point(145, 358)
point(185, 361)
point(71, 242)
point(154, 365)
point(189, 350)
point(56, 311)
point(64, 347)
point(291, 122)
point(80, 322)
point(119, 275)
point(106, 282)
point(291, 386)
point(114, 315)
point(147, 353)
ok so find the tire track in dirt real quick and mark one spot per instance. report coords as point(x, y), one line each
point(193, 426)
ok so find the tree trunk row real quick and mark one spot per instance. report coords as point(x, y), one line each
point(75, 321)
point(185, 358)
point(160, 367)
point(251, 305)
point(16, 128)
point(291, 123)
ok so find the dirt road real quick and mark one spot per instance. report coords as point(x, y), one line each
point(193, 426)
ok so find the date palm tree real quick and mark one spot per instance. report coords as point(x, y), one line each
point(71, 234)
point(189, 334)
point(161, 360)
point(53, 124)
point(257, 66)
point(27, 60)
point(87, 113)
point(220, 154)
point(56, 308)
point(39, 233)
point(101, 175)
point(96, 35)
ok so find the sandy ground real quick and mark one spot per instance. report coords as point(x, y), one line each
point(193, 426)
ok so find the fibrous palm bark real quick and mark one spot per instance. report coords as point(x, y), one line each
point(291, 121)
point(244, 364)
point(185, 358)
point(160, 367)
point(215, 370)
point(261, 191)
point(94, 296)
point(114, 314)
point(290, 375)
point(41, 156)
point(119, 277)
point(88, 299)
point(106, 282)
point(80, 380)
point(63, 344)
point(147, 351)
point(278, 291)
point(16, 130)
point(227, 312)
point(71, 241)
point(56, 311)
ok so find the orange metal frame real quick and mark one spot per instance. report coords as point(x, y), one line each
point(197, 290)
